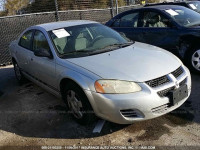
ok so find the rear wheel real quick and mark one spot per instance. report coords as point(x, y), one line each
point(19, 76)
point(78, 104)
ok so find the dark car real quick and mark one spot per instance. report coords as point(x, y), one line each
point(194, 5)
point(174, 28)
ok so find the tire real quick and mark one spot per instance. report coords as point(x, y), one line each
point(18, 74)
point(78, 104)
point(192, 59)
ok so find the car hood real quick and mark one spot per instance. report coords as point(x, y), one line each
point(138, 62)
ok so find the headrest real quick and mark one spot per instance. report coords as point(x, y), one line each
point(154, 19)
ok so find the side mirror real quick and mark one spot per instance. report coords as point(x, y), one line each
point(124, 36)
point(169, 23)
point(173, 26)
point(43, 53)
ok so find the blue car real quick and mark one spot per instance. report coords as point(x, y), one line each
point(174, 28)
point(191, 4)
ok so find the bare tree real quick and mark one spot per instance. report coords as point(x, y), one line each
point(13, 6)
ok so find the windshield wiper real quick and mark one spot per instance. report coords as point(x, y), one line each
point(75, 53)
point(102, 50)
point(111, 47)
point(120, 45)
point(127, 44)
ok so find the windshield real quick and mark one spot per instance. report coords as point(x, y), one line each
point(86, 39)
point(184, 16)
point(195, 6)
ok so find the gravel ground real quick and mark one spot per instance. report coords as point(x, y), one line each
point(30, 118)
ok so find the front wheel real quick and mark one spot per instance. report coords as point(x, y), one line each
point(193, 59)
point(196, 60)
point(78, 104)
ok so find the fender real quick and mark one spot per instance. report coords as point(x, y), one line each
point(83, 81)
point(191, 41)
point(13, 51)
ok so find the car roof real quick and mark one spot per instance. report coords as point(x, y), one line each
point(164, 7)
point(168, 3)
point(62, 24)
point(191, 1)
point(181, 3)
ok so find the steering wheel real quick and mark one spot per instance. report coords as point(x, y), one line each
point(97, 38)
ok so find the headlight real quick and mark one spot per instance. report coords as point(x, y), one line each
point(116, 87)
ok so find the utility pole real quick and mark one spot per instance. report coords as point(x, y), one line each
point(116, 7)
point(112, 9)
point(56, 13)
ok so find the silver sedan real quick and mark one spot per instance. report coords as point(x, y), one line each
point(98, 72)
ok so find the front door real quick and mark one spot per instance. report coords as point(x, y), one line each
point(157, 30)
point(43, 68)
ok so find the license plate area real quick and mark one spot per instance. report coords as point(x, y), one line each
point(177, 95)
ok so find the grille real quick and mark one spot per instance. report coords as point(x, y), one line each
point(158, 81)
point(129, 113)
point(160, 109)
point(164, 79)
point(165, 91)
point(177, 72)
point(183, 82)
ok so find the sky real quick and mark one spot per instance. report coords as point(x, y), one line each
point(1, 4)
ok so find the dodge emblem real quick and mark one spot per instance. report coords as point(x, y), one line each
point(176, 85)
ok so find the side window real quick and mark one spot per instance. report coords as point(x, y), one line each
point(154, 20)
point(130, 20)
point(40, 41)
point(26, 40)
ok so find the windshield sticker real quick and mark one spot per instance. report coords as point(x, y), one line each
point(171, 12)
point(24, 37)
point(61, 33)
point(192, 6)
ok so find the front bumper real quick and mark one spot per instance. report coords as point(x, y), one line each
point(128, 108)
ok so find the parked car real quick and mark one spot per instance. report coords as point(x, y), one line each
point(174, 28)
point(94, 69)
point(194, 5)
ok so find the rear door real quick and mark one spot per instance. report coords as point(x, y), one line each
point(24, 49)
